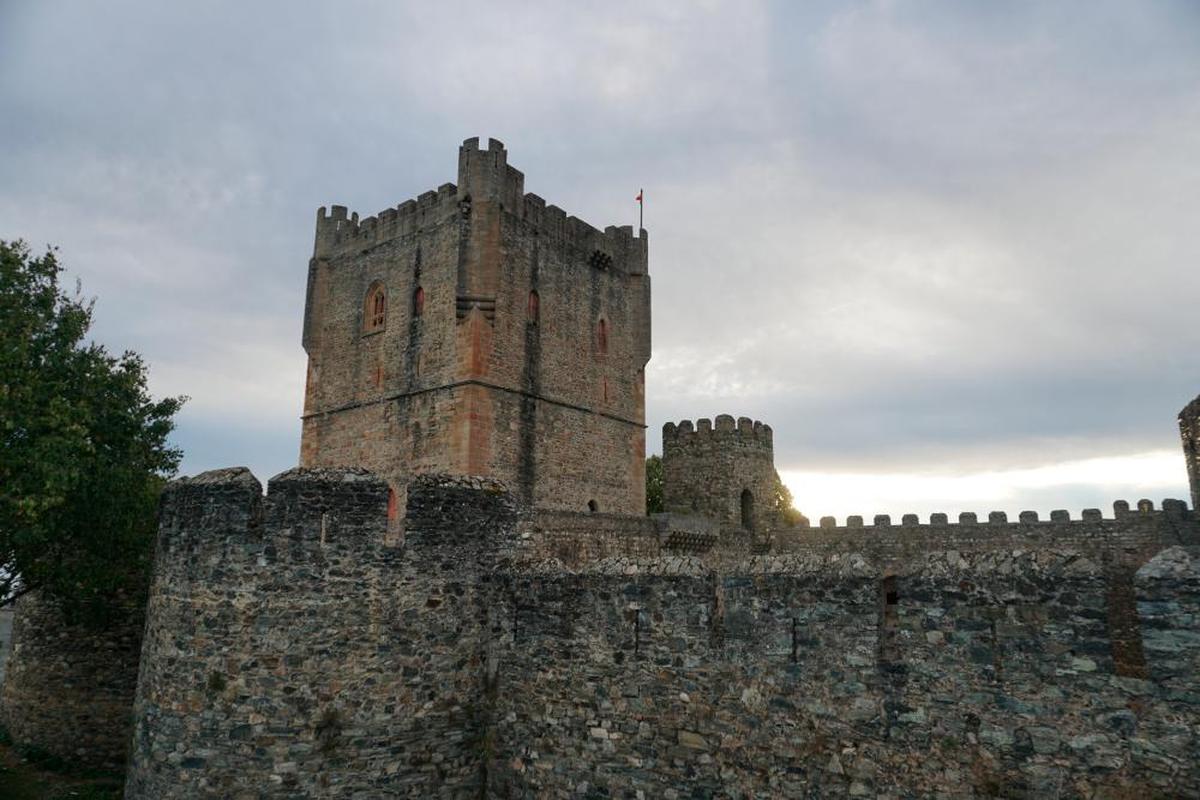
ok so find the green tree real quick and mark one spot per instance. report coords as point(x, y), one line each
point(654, 485)
point(782, 504)
point(83, 447)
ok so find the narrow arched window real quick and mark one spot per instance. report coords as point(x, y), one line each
point(418, 302)
point(602, 336)
point(375, 309)
point(393, 505)
point(747, 510)
point(534, 308)
point(593, 507)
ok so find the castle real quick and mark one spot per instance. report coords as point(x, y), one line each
point(478, 331)
point(457, 593)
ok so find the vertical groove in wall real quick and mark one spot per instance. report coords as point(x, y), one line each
point(1124, 627)
point(531, 382)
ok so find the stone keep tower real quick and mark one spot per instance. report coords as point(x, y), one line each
point(1189, 432)
point(476, 330)
point(725, 472)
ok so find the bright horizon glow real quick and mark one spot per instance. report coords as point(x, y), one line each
point(1157, 474)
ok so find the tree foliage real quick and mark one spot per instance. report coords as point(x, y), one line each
point(83, 447)
point(654, 485)
point(782, 504)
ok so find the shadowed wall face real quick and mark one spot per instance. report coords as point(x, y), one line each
point(1189, 432)
point(513, 343)
point(68, 688)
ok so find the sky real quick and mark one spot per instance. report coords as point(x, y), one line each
point(948, 251)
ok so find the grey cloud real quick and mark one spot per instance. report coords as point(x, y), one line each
point(897, 232)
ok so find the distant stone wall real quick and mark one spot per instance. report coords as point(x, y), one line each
point(1131, 535)
point(68, 689)
point(291, 651)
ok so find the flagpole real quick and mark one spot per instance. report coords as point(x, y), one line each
point(641, 209)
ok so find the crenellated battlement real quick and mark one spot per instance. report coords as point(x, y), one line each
point(296, 616)
point(617, 244)
point(724, 428)
point(484, 176)
point(340, 231)
point(1171, 510)
point(722, 468)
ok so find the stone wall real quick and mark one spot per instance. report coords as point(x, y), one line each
point(68, 688)
point(1189, 433)
point(964, 676)
point(291, 652)
point(525, 363)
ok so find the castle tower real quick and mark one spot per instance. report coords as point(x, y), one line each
point(724, 471)
point(1189, 432)
point(476, 330)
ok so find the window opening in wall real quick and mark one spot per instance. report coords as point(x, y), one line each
point(418, 302)
point(393, 505)
point(602, 336)
point(593, 507)
point(747, 510)
point(534, 308)
point(375, 310)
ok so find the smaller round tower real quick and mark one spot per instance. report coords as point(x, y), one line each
point(724, 471)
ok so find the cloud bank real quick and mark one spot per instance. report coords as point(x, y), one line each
point(918, 239)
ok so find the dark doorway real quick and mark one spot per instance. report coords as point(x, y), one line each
point(747, 510)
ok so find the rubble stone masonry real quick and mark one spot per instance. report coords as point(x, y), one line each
point(68, 688)
point(291, 651)
point(724, 471)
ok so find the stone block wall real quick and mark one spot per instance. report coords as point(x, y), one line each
point(68, 688)
point(292, 652)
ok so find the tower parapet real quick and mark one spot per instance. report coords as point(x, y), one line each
point(484, 176)
point(277, 626)
point(723, 469)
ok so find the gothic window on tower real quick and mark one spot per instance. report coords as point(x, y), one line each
point(602, 336)
point(375, 309)
point(418, 302)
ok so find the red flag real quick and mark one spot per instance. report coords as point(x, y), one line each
point(639, 197)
